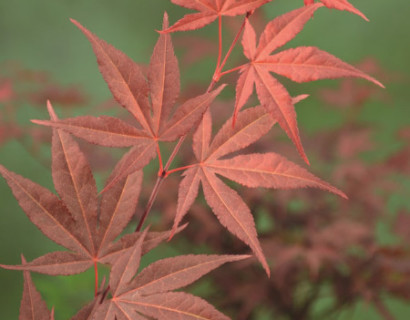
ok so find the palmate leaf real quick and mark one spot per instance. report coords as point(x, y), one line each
point(267, 170)
point(210, 10)
point(149, 292)
point(32, 305)
point(301, 64)
point(339, 5)
point(150, 102)
point(72, 221)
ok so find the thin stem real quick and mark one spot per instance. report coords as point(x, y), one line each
point(161, 166)
point(160, 179)
point(151, 200)
point(179, 169)
point(217, 73)
point(95, 278)
point(231, 70)
point(218, 63)
point(174, 152)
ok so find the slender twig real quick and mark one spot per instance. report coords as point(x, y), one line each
point(231, 70)
point(179, 169)
point(160, 179)
point(161, 166)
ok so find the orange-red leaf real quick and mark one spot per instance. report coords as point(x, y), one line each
point(55, 263)
point(175, 305)
point(232, 212)
point(104, 130)
point(251, 124)
point(176, 272)
point(210, 10)
point(283, 29)
point(187, 193)
point(277, 101)
point(303, 64)
point(75, 184)
point(268, 170)
point(163, 79)
point(135, 159)
point(188, 115)
point(343, 5)
point(45, 210)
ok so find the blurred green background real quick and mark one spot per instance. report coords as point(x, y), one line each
point(39, 36)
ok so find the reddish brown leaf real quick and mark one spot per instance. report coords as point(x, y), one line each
point(45, 210)
point(276, 99)
point(123, 76)
point(74, 183)
point(251, 124)
point(300, 64)
point(148, 293)
point(232, 212)
point(55, 263)
point(135, 159)
point(283, 29)
point(73, 222)
point(163, 76)
point(174, 273)
point(305, 64)
point(126, 266)
point(116, 249)
point(175, 305)
point(104, 130)
point(210, 10)
point(188, 115)
point(339, 5)
point(32, 306)
point(268, 170)
point(187, 193)
point(202, 136)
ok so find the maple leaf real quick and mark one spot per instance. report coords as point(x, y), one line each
point(149, 292)
point(300, 64)
point(210, 10)
point(73, 221)
point(130, 88)
point(32, 305)
point(267, 170)
point(339, 5)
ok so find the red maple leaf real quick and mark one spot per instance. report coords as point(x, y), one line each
point(130, 88)
point(33, 307)
point(300, 64)
point(268, 170)
point(148, 294)
point(210, 10)
point(72, 220)
point(339, 5)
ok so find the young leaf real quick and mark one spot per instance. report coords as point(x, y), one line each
point(299, 64)
point(267, 170)
point(32, 306)
point(210, 10)
point(149, 292)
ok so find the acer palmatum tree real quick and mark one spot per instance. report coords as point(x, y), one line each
point(87, 223)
